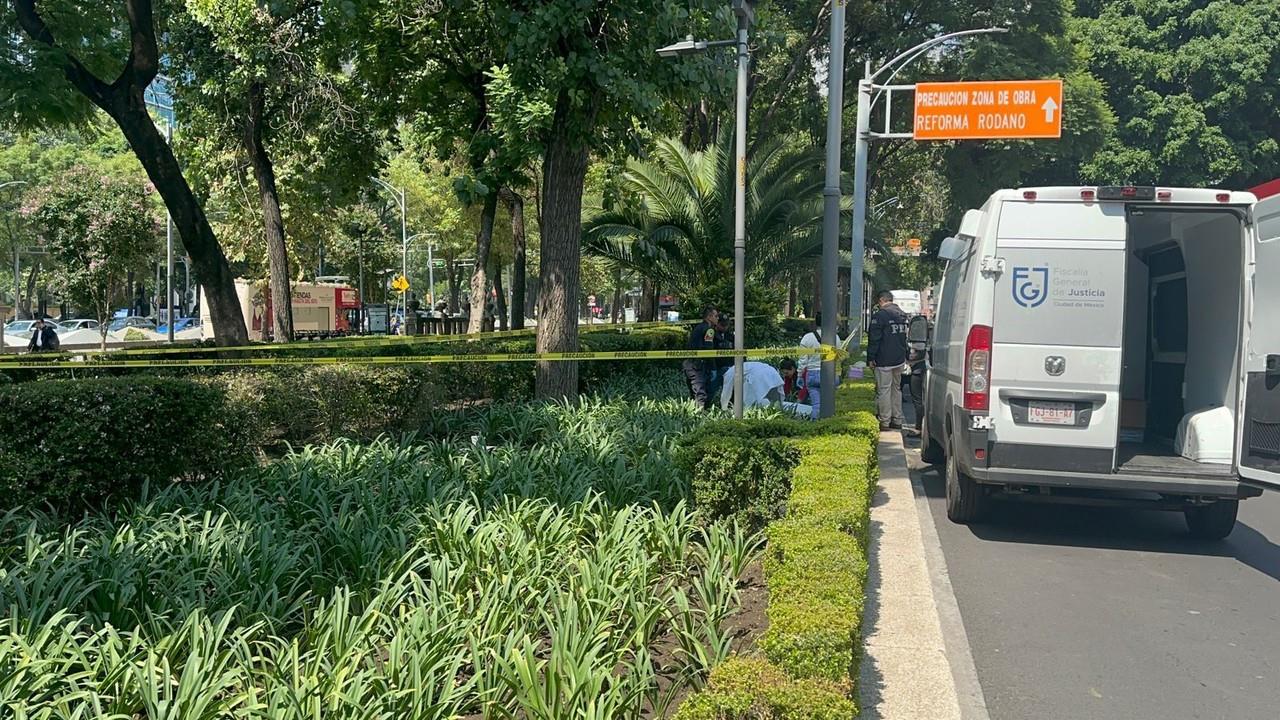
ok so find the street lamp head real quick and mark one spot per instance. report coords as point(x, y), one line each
point(688, 46)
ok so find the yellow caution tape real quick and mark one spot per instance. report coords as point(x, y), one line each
point(826, 351)
point(354, 342)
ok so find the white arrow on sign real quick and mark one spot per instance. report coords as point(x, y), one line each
point(1049, 107)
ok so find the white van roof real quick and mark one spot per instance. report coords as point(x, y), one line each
point(1129, 193)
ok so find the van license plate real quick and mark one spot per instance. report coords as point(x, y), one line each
point(1051, 413)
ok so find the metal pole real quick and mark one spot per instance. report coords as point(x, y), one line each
point(404, 239)
point(740, 219)
point(168, 248)
point(17, 282)
point(404, 260)
point(431, 273)
point(858, 245)
point(831, 203)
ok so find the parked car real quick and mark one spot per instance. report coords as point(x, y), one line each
point(22, 328)
point(133, 321)
point(180, 324)
point(1108, 345)
point(66, 326)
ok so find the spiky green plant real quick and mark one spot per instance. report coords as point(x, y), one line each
point(527, 561)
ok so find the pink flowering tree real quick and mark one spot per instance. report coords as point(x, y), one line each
point(97, 228)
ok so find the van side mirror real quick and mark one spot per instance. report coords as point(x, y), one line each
point(918, 331)
point(971, 223)
point(952, 248)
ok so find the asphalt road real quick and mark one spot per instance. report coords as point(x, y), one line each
point(1107, 613)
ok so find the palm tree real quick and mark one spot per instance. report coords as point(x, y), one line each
point(676, 225)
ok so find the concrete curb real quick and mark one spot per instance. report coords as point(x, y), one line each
point(973, 705)
point(917, 662)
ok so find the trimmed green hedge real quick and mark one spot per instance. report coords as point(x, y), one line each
point(745, 478)
point(815, 563)
point(108, 431)
point(69, 441)
point(815, 569)
point(752, 689)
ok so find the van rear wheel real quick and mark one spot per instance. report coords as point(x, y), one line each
point(1214, 521)
point(966, 503)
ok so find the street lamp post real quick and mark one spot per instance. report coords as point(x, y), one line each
point(745, 14)
point(431, 269)
point(831, 201)
point(398, 193)
point(168, 249)
point(863, 139)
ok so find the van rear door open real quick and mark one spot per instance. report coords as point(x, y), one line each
point(1058, 328)
point(1259, 436)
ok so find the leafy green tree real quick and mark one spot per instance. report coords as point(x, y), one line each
point(39, 161)
point(593, 65)
point(98, 228)
point(1193, 85)
point(442, 70)
point(261, 95)
point(73, 53)
point(678, 230)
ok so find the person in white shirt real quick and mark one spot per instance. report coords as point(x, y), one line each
point(762, 386)
point(809, 367)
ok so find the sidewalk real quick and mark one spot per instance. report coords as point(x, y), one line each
point(917, 662)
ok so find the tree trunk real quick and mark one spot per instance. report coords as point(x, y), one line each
point(479, 272)
point(272, 220)
point(564, 173)
point(123, 101)
point(28, 310)
point(515, 208)
point(207, 259)
point(500, 293)
point(453, 272)
point(642, 309)
point(617, 295)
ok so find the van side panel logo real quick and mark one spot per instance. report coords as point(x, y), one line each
point(1030, 286)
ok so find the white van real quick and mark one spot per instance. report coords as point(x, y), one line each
point(1109, 345)
point(908, 301)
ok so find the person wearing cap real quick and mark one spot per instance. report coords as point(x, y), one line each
point(698, 372)
point(887, 354)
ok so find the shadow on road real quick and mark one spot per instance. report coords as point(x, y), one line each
point(1106, 528)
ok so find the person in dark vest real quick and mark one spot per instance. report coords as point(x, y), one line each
point(43, 338)
point(887, 354)
point(698, 371)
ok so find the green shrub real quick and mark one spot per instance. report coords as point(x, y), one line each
point(816, 565)
point(745, 688)
point(67, 441)
point(740, 478)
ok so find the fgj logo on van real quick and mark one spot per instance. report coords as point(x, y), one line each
point(1030, 286)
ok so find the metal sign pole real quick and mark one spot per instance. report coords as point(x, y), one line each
point(857, 248)
point(745, 16)
point(831, 204)
point(168, 264)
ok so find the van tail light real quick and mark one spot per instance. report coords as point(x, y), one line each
point(1224, 197)
point(977, 369)
point(1028, 194)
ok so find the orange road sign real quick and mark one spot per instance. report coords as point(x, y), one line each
point(992, 110)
